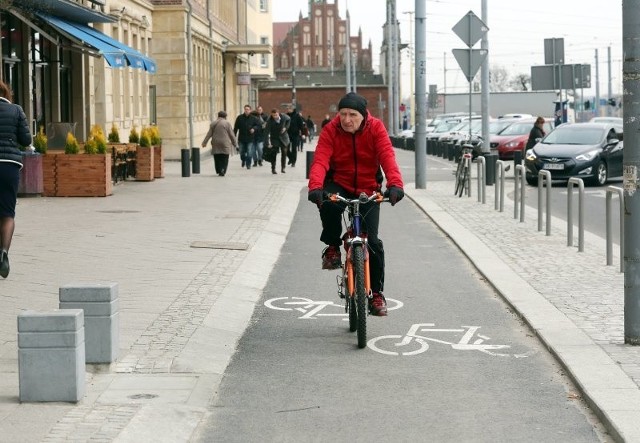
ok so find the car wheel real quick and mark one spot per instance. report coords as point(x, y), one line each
point(601, 174)
point(531, 180)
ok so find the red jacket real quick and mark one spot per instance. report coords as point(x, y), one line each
point(354, 159)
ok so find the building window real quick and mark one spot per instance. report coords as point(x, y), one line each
point(264, 5)
point(264, 58)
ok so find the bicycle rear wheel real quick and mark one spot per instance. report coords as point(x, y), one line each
point(463, 180)
point(360, 296)
point(458, 175)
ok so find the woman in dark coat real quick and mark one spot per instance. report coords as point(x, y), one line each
point(14, 132)
point(536, 133)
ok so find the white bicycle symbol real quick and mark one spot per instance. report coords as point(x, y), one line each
point(313, 309)
point(418, 343)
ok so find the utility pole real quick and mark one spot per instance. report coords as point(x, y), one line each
point(412, 102)
point(347, 54)
point(597, 104)
point(631, 163)
point(293, 77)
point(484, 96)
point(421, 94)
point(390, 124)
point(609, 95)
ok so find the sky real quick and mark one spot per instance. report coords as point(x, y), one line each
point(517, 30)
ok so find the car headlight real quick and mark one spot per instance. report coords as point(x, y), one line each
point(587, 156)
point(530, 155)
point(513, 144)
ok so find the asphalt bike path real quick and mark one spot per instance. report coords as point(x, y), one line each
point(470, 369)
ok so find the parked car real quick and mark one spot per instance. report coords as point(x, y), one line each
point(616, 121)
point(514, 137)
point(592, 151)
point(443, 127)
point(433, 124)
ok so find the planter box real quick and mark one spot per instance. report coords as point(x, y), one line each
point(77, 175)
point(31, 180)
point(144, 164)
point(158, 162)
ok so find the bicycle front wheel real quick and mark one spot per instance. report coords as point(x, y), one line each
point(463, 180)
point(360, 295)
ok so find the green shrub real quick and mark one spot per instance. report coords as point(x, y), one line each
point(114, 135)
point(71, 144)
point(134, 137)
point(40, 141)
point(91, 146)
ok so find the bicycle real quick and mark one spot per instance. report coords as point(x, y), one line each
point(463, 170)
point(354, 285)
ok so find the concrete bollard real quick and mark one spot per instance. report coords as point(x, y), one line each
point(51, 355)
point(100, 303)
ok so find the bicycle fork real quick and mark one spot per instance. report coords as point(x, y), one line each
point(348, 272)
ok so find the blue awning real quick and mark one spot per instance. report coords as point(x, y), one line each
point(117, 54)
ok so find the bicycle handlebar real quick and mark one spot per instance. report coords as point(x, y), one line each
point(362, 198)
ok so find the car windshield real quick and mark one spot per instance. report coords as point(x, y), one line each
point(518, 128)
point(445, 126)
point(498, 125)
point(575, 135)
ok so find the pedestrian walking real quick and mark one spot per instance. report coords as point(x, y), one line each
point(311, 126)
point(245, 127)
point(327, 119)
point(295, 134)
point(14, 132)
point(262, 138)
point(277, 128)
point(223, 143)
point(537, 132)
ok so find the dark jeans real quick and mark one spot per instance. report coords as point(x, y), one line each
point(331, 217)
point(293, 149)
point(221, 163)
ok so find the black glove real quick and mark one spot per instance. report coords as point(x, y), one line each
point(394, 194)
point(316, 196)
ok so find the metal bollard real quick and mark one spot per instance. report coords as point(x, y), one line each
point(575, 181)
point(519, 194)
point(499, 196)
point(195, 160)
point(309, 161)
point(517, 158)
point(491, 160)
point(184, 159)
point(482, 179)
point(610, 191)
point(544, 177)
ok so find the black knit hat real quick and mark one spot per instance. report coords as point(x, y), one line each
point(354, 101)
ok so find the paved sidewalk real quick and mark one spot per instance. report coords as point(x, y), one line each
point(191, 257)
point(572, 300)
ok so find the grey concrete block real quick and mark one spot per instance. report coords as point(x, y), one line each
point(101, 305)
point(51, 361)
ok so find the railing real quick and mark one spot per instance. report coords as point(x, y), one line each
point(544, 178)
point(482, 181)
point(499, 196)
point(519, 194)
point(575, 181)
point(610, 191)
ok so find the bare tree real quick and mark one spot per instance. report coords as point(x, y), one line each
point(498, 79)
point(520, 82)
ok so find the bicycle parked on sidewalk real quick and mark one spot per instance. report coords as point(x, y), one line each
point(354, 285)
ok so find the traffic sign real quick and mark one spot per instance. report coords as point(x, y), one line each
point(470, 60)
point(470, 29)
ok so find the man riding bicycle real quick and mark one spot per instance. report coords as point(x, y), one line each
point(351, 149)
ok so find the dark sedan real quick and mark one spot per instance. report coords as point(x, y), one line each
point(592, 151)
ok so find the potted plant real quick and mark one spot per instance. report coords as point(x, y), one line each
point(144, 157)
point(114, 135)
point(158, 157)
point(31, 174)
point(81, 175)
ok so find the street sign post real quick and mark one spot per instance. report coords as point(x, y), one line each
point(470, 29)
